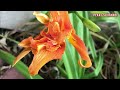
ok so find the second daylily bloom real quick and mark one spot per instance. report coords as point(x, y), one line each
point(50, 43)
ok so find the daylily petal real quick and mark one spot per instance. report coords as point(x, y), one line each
point(43, 57)
point(44, 19)
point(26, 42)
point(39, 47)
point(34, 44)
point(80, 47)
point(54, 29)
point(55, 16)
point(62, 18)
point(21, 55)
point(56, 33)
point(65, 20)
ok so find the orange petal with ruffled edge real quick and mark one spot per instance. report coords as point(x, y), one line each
point(62, 17)
point(82, 50)
point(43, 57)
point(21, 55)
point(66, 21)
point(55, 16)
point(26, 42)
point(54, 29)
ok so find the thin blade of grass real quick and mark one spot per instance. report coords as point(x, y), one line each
point(67, 66)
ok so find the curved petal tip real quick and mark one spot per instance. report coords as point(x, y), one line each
point(21, 55)
point(87, 65)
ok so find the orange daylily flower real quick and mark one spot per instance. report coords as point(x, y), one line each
point(50, 45)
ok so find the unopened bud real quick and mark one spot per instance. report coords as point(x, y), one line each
point(91, 25)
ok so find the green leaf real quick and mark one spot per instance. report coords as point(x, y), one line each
point(99, 64)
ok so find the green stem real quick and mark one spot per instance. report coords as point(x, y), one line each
point(78, 15)
point(63, 72)
point(10, 39)
point(98, 36)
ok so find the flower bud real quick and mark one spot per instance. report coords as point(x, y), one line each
point(91, 25)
